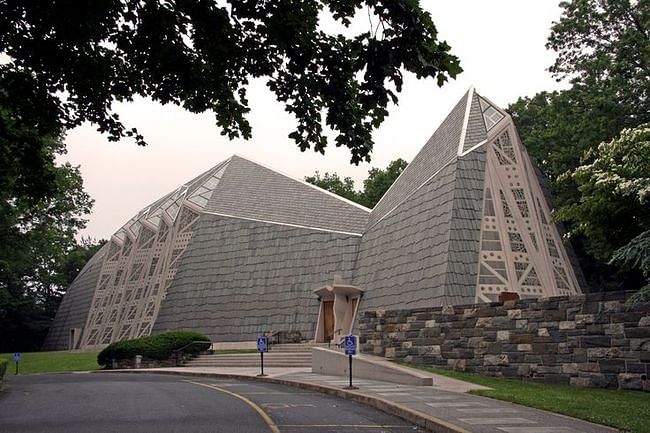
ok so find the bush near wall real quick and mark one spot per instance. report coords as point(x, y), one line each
point(3, 367)
point(159, 347)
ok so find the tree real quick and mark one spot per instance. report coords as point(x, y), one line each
point(202, 54)
point(614, 183)
point(333, 183)
point(378, 182)
point(557, 128)
point(39, 215)
point(374, 186)
point(614, 208)
point(636, 255)
point(602, 48)
point(603, 45)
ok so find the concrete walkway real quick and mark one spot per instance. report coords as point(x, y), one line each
point(438, 408)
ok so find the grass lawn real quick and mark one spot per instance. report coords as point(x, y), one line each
point(625, 410)
point(51, 362)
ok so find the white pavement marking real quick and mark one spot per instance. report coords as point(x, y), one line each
point(442, 397)
point(538, 430)
point(479, 410)
point(496, 421)
point(454, 404)
point(429, 398)
point(378, 389)
point(395, 393)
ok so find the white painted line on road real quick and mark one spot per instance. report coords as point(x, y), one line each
point(479, 410)
point(454, 404)
point(442, 397)
point(538, 430)
point(274, 406)
point(496, 421)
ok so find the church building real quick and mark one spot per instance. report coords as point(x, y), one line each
point(243, 249)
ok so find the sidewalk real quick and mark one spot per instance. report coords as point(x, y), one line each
point(439, 408)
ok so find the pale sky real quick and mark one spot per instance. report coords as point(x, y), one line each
point(501, 47)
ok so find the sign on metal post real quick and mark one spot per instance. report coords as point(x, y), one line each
point(350, 344)
point(17, 360)
point(262, 346)
point(350, 347)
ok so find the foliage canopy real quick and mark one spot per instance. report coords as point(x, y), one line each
point(614, 185)
point(604, 44)
point(202, 54)
point(374, 186)
point(614, 210)
point(42, 206)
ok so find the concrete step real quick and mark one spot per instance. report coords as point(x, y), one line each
point(271, 359)
point(252, 364)
point(243, 358)
point(302, 347)
point(269, 355)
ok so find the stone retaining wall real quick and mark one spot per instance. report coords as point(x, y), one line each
point(586, 340)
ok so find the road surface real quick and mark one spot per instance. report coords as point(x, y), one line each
point(135, 403)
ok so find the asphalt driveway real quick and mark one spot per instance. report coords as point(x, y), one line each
point(125, 403)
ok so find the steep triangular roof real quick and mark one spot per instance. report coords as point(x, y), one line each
point(464, 129)
point(439, 150)
point(465, 221)
point(252, 191)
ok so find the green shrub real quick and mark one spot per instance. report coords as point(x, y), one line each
point(161, 346)
point(3, 367)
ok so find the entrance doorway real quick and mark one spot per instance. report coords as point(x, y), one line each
point(73, 340)
point(337, 311)
point(328, 320)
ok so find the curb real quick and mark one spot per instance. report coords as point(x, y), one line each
point(427, 422)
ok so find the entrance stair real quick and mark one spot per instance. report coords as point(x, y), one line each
point(279, 355)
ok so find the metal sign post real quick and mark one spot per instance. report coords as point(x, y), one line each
point(350, 346)
point(262, 346)
point(17, 360)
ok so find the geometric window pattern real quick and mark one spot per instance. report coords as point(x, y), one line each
point(142, 261)
point(491, 115)
point(521, 250)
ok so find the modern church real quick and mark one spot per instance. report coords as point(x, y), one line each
point(244, 249)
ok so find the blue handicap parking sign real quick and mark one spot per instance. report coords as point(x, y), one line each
point(17, 357)
point(350, 344)
point(262, 344)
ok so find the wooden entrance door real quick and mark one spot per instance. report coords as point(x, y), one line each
point(328, 320)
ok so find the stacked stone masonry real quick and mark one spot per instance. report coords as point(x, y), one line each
point(586, 340)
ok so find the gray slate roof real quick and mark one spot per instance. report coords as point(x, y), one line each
point(421, 245)
point(441, 148)
point(239, 278)
point(475, 131)
point(249, 190)
point(74, 308)
point(464, 236)
point(402, 260)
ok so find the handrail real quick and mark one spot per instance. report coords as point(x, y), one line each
point(339, 344)
point(177, 351)
point(273, 335)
